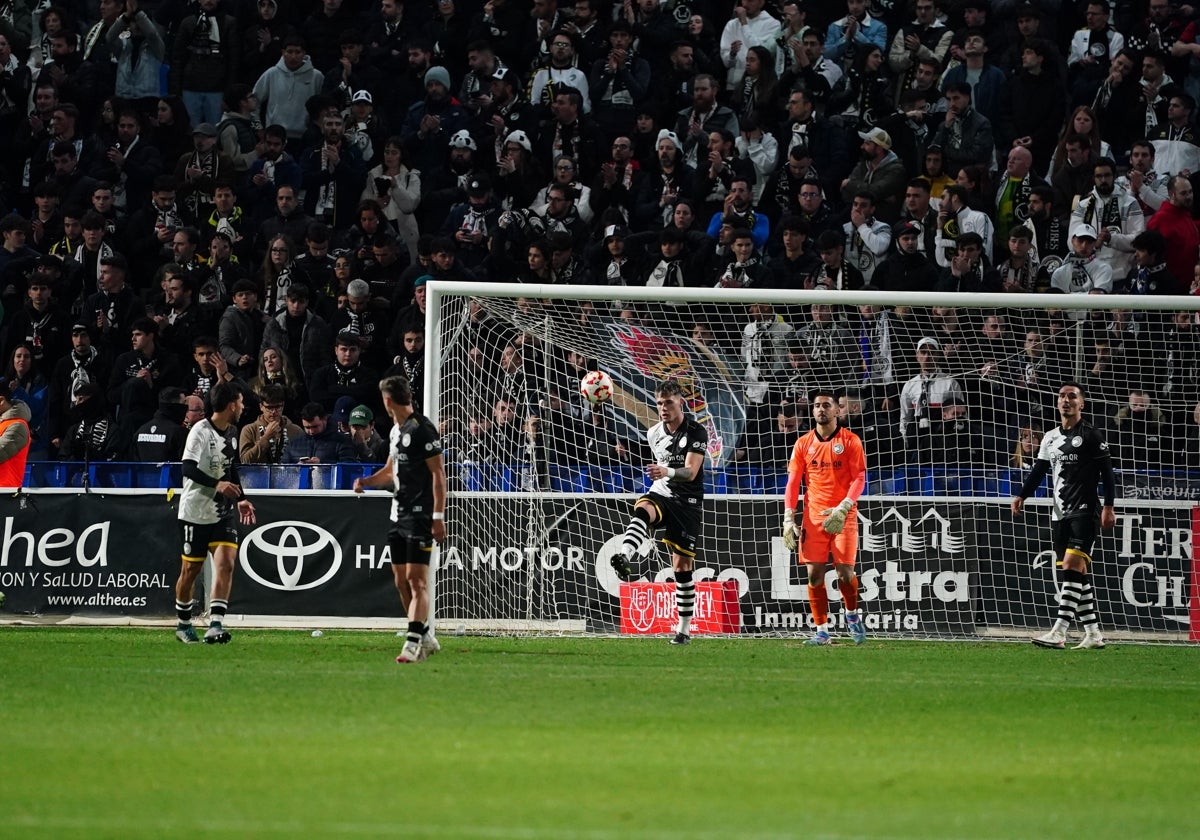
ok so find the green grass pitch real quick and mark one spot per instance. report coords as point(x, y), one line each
point(128, 734)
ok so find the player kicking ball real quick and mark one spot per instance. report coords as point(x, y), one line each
point(210, 507)
point(674, 501)
point(416, 472)
point(1077, 457)
point(829, 461)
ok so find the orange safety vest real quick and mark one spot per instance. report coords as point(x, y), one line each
point(12, 471)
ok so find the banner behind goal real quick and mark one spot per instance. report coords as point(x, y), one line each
point(950, 394)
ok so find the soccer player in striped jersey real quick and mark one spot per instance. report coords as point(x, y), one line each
point(1077, 458)
point(673, 502)
point(210, 507)
point(830, 462)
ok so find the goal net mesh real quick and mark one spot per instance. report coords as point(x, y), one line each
point(950, 400)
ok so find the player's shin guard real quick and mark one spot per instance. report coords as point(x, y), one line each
point(849, 590)
point(1087, 605)
point(818, 599)
point(637, 532)
point(685, 599)
point(1069, 597)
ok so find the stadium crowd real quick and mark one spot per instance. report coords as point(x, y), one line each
point(258, 191)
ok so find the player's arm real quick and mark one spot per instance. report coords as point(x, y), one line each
point(380, 478)
point(437, 469)
point(1032, 481)
point(1108, 482)
point(244, 505)
point(690, 469)
point(791, 498)
point(191, 470)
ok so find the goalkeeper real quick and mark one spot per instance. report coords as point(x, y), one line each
point(830, 463)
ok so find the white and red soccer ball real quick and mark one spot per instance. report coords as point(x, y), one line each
point(596, 387)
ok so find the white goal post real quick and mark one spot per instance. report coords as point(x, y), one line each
point(541, 484)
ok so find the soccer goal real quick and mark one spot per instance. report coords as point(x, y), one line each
point(950, 394)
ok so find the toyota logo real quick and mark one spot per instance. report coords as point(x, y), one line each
point(296, 547)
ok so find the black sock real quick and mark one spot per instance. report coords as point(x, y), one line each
point(416, 629)
point(1069, 597)
point(216, 610)
point(183, 611)
point(685, 599)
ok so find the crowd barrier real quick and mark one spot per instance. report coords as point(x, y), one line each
point(508, 478)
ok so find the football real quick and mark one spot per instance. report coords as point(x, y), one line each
point(596, 387)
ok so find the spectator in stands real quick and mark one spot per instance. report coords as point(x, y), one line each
point(40, 322)
point(368, 445)
point(241, 330)
point(283, 90)
point(302, 335)
point(907, 269)
point(955, 218)
point(1114, 214)
point(1174, 221)
point(867, 238)
point(880, 172)
point(162, 437)
point(921, 400)
point(89, 431)
point(347, 376)
point(1176, 144)
point(207, 367)
point(1034, 104)
point(137, 377)
point(968, 271)
point(1139, 433)
point(1082, 272)
point(320, 444)
point(1025, 450)
point(264, 439)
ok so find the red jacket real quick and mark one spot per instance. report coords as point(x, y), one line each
point(1183, 243)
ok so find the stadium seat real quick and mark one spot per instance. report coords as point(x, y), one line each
point(569, 479)
point(255, 476)
point(746, 479)
point(612, 479)
point(775, 482)
point(715, 481)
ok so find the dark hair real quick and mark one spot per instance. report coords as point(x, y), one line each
point(1151, 241)
point(958, 87)
point(235, 93)
point(669, 388)
point(144, 325)
point(222, 395)
point(272, 392)
point(396, 389)
point(313, 411)
point(204, 341)
point(824, 391)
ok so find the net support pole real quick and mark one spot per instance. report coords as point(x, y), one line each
point(431, 409)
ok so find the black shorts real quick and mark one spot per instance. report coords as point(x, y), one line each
point(1076, 535)
point(411, 541)
point(679, 520)
point(198, 539)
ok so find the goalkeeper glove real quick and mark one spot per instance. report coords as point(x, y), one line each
point(791, 534)
point(835, 518)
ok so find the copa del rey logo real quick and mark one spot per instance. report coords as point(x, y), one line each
point(650, 608)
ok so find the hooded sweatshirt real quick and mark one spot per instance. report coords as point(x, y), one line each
point(285, 91)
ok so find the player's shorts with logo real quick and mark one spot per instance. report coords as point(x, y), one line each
point(679, 520)
point(198, 539)
point(1076, 534)
point(410, 539)
point(816, 545)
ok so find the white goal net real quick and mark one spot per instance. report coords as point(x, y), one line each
point(950, 394)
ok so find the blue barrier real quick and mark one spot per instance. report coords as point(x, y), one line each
point(994, 482)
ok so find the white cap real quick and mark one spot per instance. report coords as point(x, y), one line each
point(1084, 230)
point(929, 342)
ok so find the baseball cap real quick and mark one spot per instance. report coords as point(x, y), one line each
point(929, 342)
point(342, 409)
point(1083, 230)
point(422, 280)
point(478, 187)
point(205, 130)
point(79, 327)
point(615, 232)
point(362, 96)
point(908, 228)
point(361, 416)
point(877, 136)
